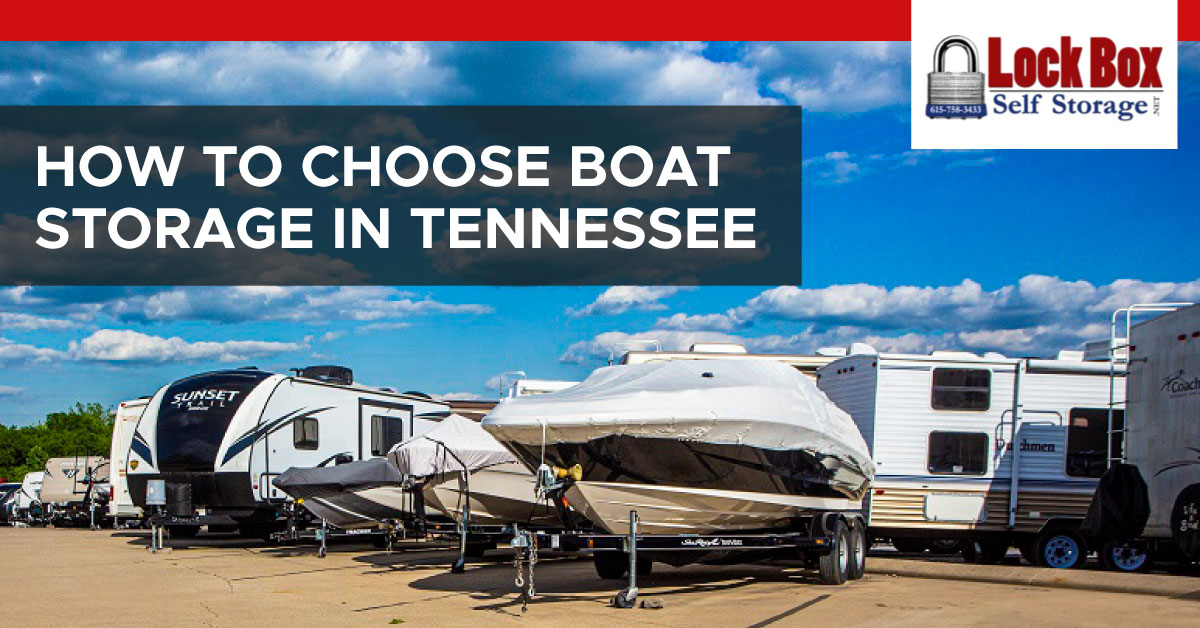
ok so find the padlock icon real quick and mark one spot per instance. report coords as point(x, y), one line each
point(955, 94)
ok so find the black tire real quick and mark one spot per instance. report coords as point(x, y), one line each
point(1060, 548)
point(1029, 551)
point(947, 547)
point(1185, 522)
point(985, 552)
point(477, 549)
point(611, 565)
point(1126, 557)
point(183, 532)
point(858, 551)
point(910, 546)
point(834, 567)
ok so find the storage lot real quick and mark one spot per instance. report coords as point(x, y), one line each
point(79, 578)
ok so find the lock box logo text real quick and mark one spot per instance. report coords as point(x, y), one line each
point(1079, 76)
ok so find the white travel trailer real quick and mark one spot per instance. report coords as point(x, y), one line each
point(125, 421)
point(219, 439)
point(1163, 429)
point(74, 490)
point(946, 430)
point(26, 504)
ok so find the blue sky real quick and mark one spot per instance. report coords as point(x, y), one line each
point(1024, 252)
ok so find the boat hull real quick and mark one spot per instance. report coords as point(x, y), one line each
point(703, 465)
point(500, 494)
point(361, 508)
point(682, 510)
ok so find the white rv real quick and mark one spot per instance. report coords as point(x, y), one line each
point(125, 421)
point(26, 504)
point(1163, 433)
point(75, 490)
point(946, 430)
point(218, 439)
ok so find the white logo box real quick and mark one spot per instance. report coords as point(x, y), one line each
point(1037, 25)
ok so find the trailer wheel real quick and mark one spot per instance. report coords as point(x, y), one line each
point(476, 549)
point(1061, 549)
point(947, 547)
point(834, 567)
point(858, 550)
point(1185, 522)
point(1029, 550)
point(615, 565)
point(909, 546)
point(1126, 557)
point(183, 532)
point(985, 552)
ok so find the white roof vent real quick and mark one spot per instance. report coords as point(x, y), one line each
point(832, 352)
point(861, 348)
point(1070, 356)
point(993, 355)
point(717, 347)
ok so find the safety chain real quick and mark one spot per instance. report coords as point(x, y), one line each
point(526, 559)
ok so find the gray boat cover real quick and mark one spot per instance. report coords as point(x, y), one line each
point(454, 445)
point(743, 402)
point(301, 482)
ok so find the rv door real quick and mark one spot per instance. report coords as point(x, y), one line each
point(382, 425)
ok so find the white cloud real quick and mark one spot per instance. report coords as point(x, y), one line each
point(15, 352)
point(10, 391)
point(1039, 315)
point(374, 327)
point(621, 299)
point(122, 345)
point(1036, 300)
point(661, 73)
point(280, 72)
point(834, 77)
point(28, 322)
point(842, 167)
point(276, 303)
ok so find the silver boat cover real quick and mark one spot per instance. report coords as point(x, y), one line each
point(454, 445)
point(314, 481)
point(741, 402)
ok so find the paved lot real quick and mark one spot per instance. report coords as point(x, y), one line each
point(81, 578)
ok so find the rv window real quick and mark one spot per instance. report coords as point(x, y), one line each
point(1087, 453)
point(305, 433)
point(386, 431)
point(958, 453)
point(961, 389)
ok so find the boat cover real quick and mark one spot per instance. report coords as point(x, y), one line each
point(744, 402)
point(454, 445)
point(315, 481)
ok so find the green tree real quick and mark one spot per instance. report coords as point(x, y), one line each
point(82, 429)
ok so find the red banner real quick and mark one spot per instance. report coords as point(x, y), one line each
point(535, 20)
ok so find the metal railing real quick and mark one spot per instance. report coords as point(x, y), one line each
point(1118, 355)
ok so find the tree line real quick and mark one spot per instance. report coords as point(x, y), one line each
point(85, 429)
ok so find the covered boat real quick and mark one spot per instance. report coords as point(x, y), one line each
point(458, 459)
point(693, 446)
point(359, 494)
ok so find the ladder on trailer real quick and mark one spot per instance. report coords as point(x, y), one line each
point(1118, 360)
